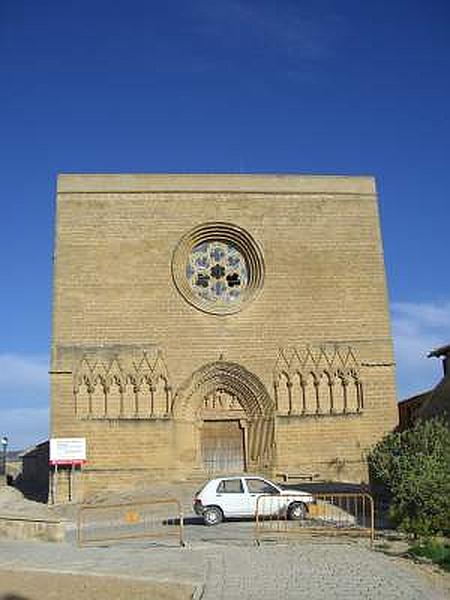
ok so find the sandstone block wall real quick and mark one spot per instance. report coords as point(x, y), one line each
point(115, 300)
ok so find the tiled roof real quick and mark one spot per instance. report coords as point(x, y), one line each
point(438, 402)
point(442, 351)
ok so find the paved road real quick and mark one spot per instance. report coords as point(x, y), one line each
point(230, 567)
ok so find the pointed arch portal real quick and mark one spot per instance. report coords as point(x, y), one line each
point(234, 414)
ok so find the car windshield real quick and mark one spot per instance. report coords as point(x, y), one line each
point(259, 486)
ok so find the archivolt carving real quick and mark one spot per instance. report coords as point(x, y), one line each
point(121, 388)
point(233, 378)
point(244, 390)
point(313, 381)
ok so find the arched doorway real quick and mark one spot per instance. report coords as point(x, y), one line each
point(223, 433)
point(233, 414)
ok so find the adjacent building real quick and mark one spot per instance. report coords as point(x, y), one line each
point(432, 403)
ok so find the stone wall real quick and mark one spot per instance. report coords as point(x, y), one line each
point(115, 300)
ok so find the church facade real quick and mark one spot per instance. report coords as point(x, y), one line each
point(209, 324)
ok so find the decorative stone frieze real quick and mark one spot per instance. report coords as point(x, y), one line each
point(122, 389)
point(322, 380)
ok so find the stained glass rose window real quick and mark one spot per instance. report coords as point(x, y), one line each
point(217, 272)
point(217, 267)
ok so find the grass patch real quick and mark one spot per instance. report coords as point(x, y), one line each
point(438, 552)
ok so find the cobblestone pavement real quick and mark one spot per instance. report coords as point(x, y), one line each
point(313, 571)
point(309, 569)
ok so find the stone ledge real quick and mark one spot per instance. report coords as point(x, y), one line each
point(321, 415)
point(262, 183)
point(122, 418)
point(23, 528)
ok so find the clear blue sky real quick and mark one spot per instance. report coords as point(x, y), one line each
point(337, 87)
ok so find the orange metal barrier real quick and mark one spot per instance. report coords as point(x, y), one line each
point(151, 519)
point(329, 514)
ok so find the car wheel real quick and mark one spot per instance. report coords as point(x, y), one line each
point(296, 511)
point(212, 515)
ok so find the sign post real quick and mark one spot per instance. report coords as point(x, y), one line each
point(69, 452)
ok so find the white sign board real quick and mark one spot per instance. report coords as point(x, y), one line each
point(67, 451)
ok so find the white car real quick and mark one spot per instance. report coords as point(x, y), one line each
point(231, 497)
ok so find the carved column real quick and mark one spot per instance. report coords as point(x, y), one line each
point(289, 390)
point(121, 392)
point(331, 386)
point(303, 392)
point(168, 391)
point(90, 391)
point(344, 386)
point(244, 425)
point(136, 399)
point(317, 392)
point(105, 393)
point(152, 389)
point(276, 383)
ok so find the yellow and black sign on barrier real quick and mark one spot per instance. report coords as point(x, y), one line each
point(328, 515)
point(150, 519)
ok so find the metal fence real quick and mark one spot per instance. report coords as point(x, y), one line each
point(150, 519)
point(329, 514)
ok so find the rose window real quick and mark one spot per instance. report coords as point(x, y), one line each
point(217, 272)
point(218, 267)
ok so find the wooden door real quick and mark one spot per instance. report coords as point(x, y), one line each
point(222, 445)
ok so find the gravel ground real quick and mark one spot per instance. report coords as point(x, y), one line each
point(37, 585)
point(221, 563)
point(306, 570)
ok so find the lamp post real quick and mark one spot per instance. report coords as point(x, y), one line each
point(4, 442)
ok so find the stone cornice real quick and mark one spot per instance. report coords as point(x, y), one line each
point(230, 183)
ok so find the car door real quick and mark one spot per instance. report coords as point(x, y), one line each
point(271, 504)
point(230, 496)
